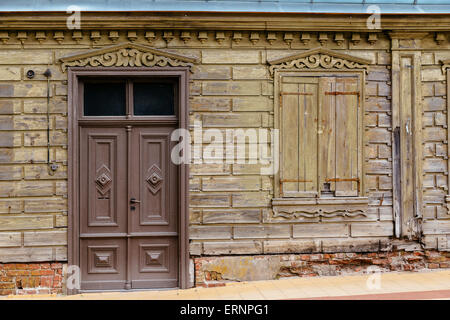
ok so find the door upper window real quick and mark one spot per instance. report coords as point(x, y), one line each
point(105, 99)
point(130, 97)
point(153, 98)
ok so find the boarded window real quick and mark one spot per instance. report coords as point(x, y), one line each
point(320, 136)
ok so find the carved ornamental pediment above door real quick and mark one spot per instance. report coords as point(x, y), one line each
point(126, 55)
point(319, 58)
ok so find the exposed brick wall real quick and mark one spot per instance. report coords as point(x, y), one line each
point(31, 278)
point(214, 271)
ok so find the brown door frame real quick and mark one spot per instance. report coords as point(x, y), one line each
point(74, 73)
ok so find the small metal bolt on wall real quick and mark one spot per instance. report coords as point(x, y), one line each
point(30, 74)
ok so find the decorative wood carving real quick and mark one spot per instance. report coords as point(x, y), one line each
point(271, 37)
point(237, 37)
point(96, 37)
point(150, 36)
point(440, 38)
point(59, 36)
point(103, 179)
point(77, 36)
point(126, 55)
point(254, 37)
point(295, 213)
point(185, 36)
point(319, 58)
point(154, 178)
point(297, 209)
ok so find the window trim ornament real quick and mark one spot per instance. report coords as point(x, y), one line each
point(319, 58)
point(126, 55)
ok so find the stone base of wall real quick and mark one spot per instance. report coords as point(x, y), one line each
point(216, 271)
point(47, 278)
point(31, 278)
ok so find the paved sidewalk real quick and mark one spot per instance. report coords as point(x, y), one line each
point(393, 286)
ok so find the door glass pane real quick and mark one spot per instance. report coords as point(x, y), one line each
point(104, 99)
point(153, 99)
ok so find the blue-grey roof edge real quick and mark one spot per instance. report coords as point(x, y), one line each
point(262, 6)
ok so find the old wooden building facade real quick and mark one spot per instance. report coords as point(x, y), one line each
point(352, 120)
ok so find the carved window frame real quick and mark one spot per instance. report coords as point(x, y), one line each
point(320, 73)
point(320, 62)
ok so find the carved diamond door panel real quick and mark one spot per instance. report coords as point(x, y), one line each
point(154, 178)
point(103, 180)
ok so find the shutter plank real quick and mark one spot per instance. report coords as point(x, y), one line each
point(346, 137)
point(308, 139)
point(289, 111)
point(299, 137)
point(327, 133)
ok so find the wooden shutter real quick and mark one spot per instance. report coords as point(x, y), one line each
point(338, 143)
point(299, 112)
point(327, 134)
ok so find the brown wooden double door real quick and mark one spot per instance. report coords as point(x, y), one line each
point(129, 208)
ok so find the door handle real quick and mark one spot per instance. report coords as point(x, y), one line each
point(133, 200)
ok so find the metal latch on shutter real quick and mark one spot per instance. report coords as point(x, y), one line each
point(342, 93)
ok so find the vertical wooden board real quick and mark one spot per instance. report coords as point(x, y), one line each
point(352, 102)
point(342, 141)
point(396, 159)
point(310, 138)
point(299, 136)
point(289, 120)
point(346, 136)
point(448, 133)
point(418, 137)
point(406, 141)
point(327, 132)
point(302, 134)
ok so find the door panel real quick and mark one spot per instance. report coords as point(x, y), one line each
point(125, 190)
point(154, 179)
point(103, 180)
point(103, 263)
point(124, 241)
point(156, 262)
point(154, 223)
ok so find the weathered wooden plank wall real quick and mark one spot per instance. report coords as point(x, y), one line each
point(232, 88)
